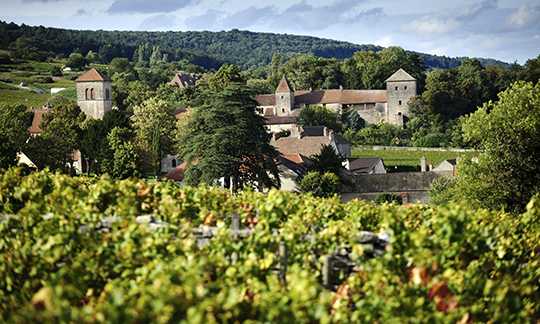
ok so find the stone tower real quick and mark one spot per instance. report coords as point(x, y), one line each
point(284, 98)
point(94, 93)
point(400, 87)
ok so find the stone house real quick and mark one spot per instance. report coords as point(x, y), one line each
point(365, 166)
point(308, 141)
point(373, 106)
point(184, 80)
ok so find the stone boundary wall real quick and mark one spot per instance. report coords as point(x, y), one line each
point(415, 184)
point(401, 148)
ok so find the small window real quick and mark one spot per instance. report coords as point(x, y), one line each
point(87, 94)
point(405, 88)
point(107, 94)
point(399, 103)
point(173, 163)
point(281, 97)
point(92, 94)
point(282, 110)
point(396, 88)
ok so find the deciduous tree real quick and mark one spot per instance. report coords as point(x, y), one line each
point(15, 121)
point(508, 172)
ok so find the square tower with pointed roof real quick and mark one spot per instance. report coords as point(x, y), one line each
point(400, 87)
point(94, 93)
point(284, 98)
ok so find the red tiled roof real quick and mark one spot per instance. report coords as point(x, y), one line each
point(274, 120)
point(296, 158)
point(284, 85)
point(93, 75)
point(307, 146)
point(38, 118)
point(266, 99)
point(177, 174)
point(349, 97)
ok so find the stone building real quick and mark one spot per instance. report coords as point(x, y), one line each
point(184, 80)
point(94, 93)
point(374, 106)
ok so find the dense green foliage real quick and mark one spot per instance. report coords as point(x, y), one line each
point(14, 124)
point(443, 265)
point(318, 116)
point(387, 197)
point(246, 49)
point(507, 174)
point(226, 138)
point(320, 184)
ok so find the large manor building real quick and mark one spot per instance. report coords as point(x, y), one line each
point(373, 106)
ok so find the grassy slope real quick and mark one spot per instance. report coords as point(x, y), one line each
point(409, 160)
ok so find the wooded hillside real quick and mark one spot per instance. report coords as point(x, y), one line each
point(248, 50)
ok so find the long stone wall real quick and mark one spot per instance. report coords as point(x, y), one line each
point(403, 148)
point(415, 185)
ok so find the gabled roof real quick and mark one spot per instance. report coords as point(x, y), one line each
point(266, 99)
point(400, 75)
point(351, 97)
point(295, 162)
point(344, 97)
point(363, 165)
point(284, 85)
point(184, 80)
point(177, 174)
point(275, 120)
point(93, 75)
point(37, 119)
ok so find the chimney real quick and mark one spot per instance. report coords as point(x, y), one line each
point(405, 198)
point(274, 137)
point(310, 89)
point(341, 88)
point(430, 166)
point(325, 131)
point(423, 164)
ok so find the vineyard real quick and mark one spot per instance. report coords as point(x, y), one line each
point(96, 250)
point(409, 160)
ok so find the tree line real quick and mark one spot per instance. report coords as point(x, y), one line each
point(248, 50)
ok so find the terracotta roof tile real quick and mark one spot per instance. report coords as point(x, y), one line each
point(177, 174)
point(266, 100)
point(38, 118)
point(274, 120)
point(93, 75)
point(307, 146)
point(284, 85)
point(350, 97)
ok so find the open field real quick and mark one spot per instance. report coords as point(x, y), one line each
point(409, 160)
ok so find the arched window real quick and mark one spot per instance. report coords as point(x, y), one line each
point(87, 94)
point(107, 94)
point(93, 93)
point(173, 163)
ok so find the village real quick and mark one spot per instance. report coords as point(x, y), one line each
point(368, 176)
